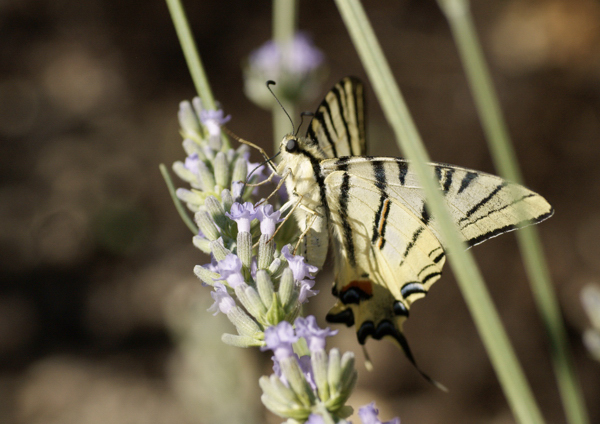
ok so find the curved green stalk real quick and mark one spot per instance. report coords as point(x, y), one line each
point(191, 53)
point(470, 281)
point(285, 22)
point(463, 29)
point(180, 209)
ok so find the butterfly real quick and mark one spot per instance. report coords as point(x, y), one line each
point(387, 248)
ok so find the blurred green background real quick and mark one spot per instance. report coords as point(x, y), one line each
point(101, 317)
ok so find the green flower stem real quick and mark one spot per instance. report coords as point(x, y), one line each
point(470, 281)
point(285, 22)
point(182, 211)
point(191, 53)
point(461, 23)
point(285, 16)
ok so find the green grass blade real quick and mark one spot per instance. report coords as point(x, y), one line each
point(470, 281)
point(285, 23)
point(178, 205)
point(190, 52)
point(488, 107)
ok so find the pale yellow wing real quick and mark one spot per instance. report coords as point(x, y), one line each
point(387, 246)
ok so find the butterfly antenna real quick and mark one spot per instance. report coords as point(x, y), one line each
point(246, 142)
point(302, 115)
point(269, 84)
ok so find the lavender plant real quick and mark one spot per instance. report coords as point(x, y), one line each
point(297, 66)
point(259, 286)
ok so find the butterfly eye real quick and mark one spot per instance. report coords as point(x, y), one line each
point(292, 145)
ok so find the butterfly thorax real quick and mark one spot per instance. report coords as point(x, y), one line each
point(305, 182)
point(300, 158)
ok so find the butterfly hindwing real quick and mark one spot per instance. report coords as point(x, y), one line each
point(388, 260)
point(388, 248)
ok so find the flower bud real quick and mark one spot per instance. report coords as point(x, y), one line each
point(286, 287)
point(264, 285)
point(206, 275)
point(219, 251)
point(244, 248)
point(206, 225)
point(240, 170)
point(221, 167)
point(266, 248)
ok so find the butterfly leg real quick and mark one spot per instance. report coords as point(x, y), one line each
point(262, 182)
point(283, 208)
point(281, 182)
point(313, 218)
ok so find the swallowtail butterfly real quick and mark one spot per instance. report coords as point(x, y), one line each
point(387, 247)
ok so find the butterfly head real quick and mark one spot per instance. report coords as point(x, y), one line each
point(296, 151)
point(290, 144)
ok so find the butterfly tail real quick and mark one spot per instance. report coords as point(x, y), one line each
point(345, 314)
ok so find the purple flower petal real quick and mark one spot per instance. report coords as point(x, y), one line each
point(230, 269)
point(242, 215)
point(306, 290)
point(314, 335)
point(301, 57)
point(279, 339)
point(306, 367)
point(368, 415)
point(215, 116)
point(305, 57)
point(314, 419)
point(268, 219)
point(253, 165)
point(237, 189)
point(192, 163)
point(300, 269)
point(223, 301)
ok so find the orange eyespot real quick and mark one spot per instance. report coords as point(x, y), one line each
point(365, 286)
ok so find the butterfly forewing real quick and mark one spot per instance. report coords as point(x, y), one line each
point(338, 125)
point(482, 205)
point(337, 128)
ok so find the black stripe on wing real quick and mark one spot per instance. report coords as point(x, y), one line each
point(380, 220)
point(322, 114)
point(343, 204)
point(497, 231)
point(322, 129)
point(484, 201)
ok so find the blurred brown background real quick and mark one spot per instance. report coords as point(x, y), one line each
point(101, 318)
